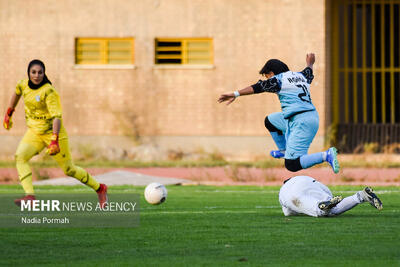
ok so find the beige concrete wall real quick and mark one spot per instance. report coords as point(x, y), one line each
point(151, 101)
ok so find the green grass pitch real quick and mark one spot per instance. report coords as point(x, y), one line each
point(216, 226)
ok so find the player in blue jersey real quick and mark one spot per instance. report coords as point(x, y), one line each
point(295, 127)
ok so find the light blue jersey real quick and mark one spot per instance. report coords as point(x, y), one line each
point(293, 89)
point(299, 119)
point(295, 127)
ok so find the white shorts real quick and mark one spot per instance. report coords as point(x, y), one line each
point(302, 194)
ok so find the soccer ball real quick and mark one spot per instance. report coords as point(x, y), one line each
point(155, 193)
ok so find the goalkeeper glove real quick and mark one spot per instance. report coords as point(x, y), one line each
point(7, 119)
point(54, 147)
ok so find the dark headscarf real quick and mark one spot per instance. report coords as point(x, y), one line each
point(45, 79)
point(274, 65)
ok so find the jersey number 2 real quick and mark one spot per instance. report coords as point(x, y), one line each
point(305, 96)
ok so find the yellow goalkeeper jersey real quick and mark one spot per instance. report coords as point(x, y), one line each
point(42, 105)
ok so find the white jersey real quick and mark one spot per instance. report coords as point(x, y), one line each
point(301, 195)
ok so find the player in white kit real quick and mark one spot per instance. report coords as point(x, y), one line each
point(305, 195)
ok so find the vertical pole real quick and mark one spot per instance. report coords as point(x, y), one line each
point(355, 68)
point(383, 100)
point(364, 64)
point(373, 63)
point(346, 63)
point(392, 93)
point(335, 65)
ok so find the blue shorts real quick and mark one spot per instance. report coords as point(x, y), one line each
point(299, 131)
point(278, 121)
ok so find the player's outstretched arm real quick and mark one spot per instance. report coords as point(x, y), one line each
point(310, 60)
point(230, 97)
point(308, 71)
point(7, 123)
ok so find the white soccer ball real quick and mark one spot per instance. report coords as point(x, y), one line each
point(155, 193)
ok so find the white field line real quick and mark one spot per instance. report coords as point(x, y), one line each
point(379, 192)
point(197, 191)
point(40, 190)
point(205, 211)
point(219, 212)
point(277, 191)
point(238, 191)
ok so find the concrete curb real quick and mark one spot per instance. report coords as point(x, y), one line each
point(118, 178)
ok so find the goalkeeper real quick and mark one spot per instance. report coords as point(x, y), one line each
point(45, 129)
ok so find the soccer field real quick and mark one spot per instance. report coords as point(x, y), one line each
point(216, 226)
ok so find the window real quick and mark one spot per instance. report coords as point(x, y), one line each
point(186, 51)
point(104, 51)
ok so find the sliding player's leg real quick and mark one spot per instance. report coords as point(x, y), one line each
point(366, 195)
point(276, 125)
point(346, 204)
point(330, 203)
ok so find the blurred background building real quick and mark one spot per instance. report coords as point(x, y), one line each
point(149, 72)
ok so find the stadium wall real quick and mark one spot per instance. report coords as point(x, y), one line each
point(166, 106)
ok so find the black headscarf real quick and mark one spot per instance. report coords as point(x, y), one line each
point(274, 65)
point(45, 79)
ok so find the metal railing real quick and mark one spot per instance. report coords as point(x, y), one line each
point(360, 137)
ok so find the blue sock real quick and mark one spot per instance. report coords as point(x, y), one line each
point(307, 161)
point(279, 140)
